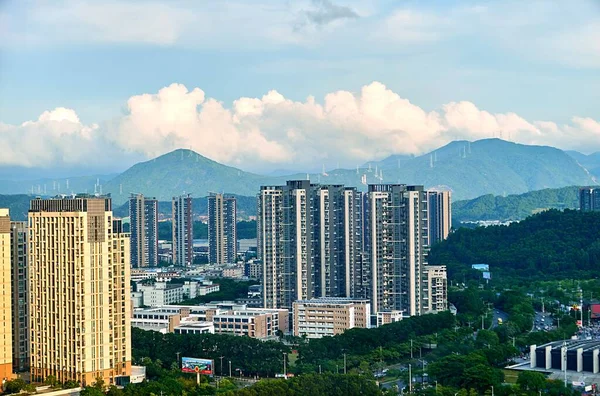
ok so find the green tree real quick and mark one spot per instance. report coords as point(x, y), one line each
point(531, 381)
point(14, 386)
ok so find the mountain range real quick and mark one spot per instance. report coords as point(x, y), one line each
point(469, 169)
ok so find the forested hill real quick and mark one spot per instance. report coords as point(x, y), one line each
point(515, 207)
point(547, 244)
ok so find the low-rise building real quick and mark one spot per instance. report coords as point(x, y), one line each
point(219, 317)
point(161, 293)
point(233, 272)
point(436, 289)
point(387, 317)
point(329, 316)
point(194, 327)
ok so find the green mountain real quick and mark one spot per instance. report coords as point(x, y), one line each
point(18, 205)
point(591, 162)
point(490, 166)
point(469, 169)
point(547, 244)
point(182, 171)
point(515, 207)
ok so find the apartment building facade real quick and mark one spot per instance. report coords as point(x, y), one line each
point(79, 291)
point(20, 295)
point(6, 345)
point(222, 229)
point(183, 231)
point(143, 217)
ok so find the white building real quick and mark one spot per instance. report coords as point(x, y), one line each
point(329, 316)
point(161, 293)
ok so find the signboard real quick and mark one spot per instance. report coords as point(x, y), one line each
point(595, 311)
point(198, 366)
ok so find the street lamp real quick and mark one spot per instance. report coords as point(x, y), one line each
point(284, 367)
point(230, 369)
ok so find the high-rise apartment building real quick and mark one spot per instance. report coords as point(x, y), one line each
point(440, 215)
point(20, 295)
point(79, 279)
point(143, 218)
point(589, 199)
point(6, 365)
point(183, 231)
point(397, 238)
point(269, 236)
point(309, 242)
point(222, 231)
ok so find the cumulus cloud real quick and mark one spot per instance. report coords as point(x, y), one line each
point(258, 133)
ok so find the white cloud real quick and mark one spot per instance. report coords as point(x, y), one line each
point(258, 133)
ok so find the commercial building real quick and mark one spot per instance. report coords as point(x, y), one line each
point(589, 199)
point(143, 217)
point(571, 355)
point(6, 345)
point(20, 296)
point(397, 239)
point(79, 291)
point(309, 242)
point(222, 234)
point(183, 231)
point(439, 215)
point(329, 316)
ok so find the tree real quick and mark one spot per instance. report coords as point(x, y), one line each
point(52, 381)
point(14, 386)
point(91, 391)
point(531, 381)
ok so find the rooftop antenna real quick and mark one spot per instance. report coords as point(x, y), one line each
point(376, 170)
point(363, 179)
point(307, 177)
point(357, 169)
point(435, 156)
point(67, 184)
point(431, 160)
point(381, 174)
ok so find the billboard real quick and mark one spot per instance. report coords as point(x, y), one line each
point(595, 311)
point(199, 366)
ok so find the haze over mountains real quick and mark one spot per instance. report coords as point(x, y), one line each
point(469, 169)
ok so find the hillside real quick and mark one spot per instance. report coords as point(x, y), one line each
point(547, 244)
point(182, 171)
point(246, 206)
point(515, 207)
point(591, 162)
point(18, 206)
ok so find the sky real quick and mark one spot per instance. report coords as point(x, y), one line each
point(265, 85)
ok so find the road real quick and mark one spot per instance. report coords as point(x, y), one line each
point(542, 321)
point(498, 315)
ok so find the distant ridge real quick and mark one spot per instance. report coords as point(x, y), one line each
point(469, 169)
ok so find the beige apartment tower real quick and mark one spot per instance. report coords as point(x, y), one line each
point(79, 291)
point(5, 297)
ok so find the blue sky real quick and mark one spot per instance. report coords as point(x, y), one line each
point(528, 70)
